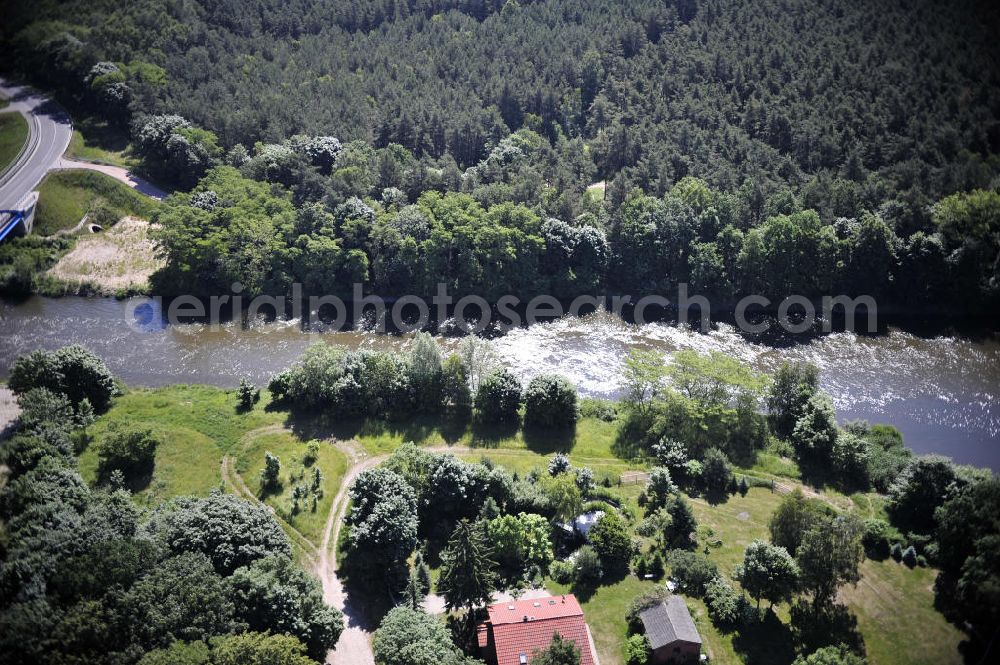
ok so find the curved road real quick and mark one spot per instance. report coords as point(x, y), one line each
point(49, 133)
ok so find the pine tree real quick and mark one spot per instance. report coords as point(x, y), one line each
point(468, 572)
point(682, 524)
point(414, 589)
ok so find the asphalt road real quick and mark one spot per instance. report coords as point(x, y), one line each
point(50, 131)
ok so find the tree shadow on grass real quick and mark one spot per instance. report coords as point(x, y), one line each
point(767, 642)
point(830, 625)
point(450, 426)
point(584, 590)
point(715, 497)
point(549, 440)
point(630, 438)
point(489, 434)
point(136, 479)
point(367, 596)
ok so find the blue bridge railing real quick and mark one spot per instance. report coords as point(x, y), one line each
point(10, 219)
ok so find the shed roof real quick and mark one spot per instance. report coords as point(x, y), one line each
point(669, 622)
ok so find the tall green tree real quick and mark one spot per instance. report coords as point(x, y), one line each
point(611, 538)
point(468, 573)
point(794, 384)
point(768, 572)
point(829, 557)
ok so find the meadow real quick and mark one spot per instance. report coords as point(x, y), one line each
point(200, 426)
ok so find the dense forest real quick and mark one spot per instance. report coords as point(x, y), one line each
point(820, 142)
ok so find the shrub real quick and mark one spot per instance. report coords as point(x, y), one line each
point(455, 391)
point(588, 566)
point(498, 397)
point(831, 655)
point(312, 453)
point(611, 538)
point(896, 551)
point(520, 541)
point(247, 394)
point(724, 604)
point(600, 410)
point(716, 472)
point(656, 566)
point(558, 464)
point(550, 401)
point(661, 487)
point(643, 602)
point(129, 450)
point(562, 571)
point(743, 487)
point(637, 650)
point(42, 408)
point(909, 556)
point(269, 474)
point(692, 571)
point(407, 636)
point(279, 385)
point(585, 481)
point(640, 566)
point(72, 371)
point(876, 538)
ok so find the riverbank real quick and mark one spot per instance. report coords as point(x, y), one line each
point(940, 391)
point(200, 428)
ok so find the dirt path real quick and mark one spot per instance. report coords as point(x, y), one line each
point(232, 478)
point(353, 647)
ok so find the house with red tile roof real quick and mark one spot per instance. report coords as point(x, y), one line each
point(515, 630)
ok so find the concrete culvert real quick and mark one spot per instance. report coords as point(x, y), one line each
point(96, 228)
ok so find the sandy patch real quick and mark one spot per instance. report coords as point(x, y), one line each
point(9, 410)
point(123, 257)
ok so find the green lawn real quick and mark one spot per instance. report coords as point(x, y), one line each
point(94, 140)
point(896, 615)
point(604, 609)
point(893, 605)
point(290, 450)
point(197, 426)
point(66, 196)
point(13, 134)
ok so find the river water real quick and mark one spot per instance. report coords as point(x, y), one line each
point(943, 392)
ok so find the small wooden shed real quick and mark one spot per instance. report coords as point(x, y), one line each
point(671, 632)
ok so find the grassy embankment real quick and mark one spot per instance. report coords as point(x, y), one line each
point(199, 425)
point(94, 140)
point(117, 264)
point(13, 134)
point(66, 196)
